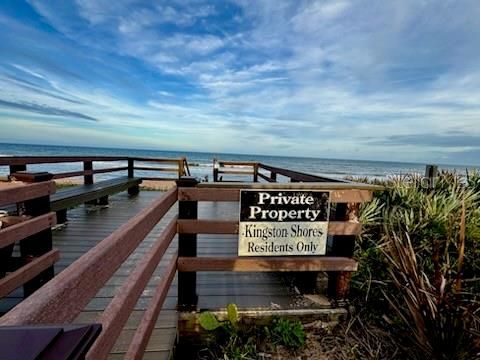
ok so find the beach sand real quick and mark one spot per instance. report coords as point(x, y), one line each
point(145, 185)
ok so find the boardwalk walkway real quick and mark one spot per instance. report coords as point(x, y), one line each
point(86, 228)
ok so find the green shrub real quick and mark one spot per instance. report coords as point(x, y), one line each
point(420, 256)
point(289, 333)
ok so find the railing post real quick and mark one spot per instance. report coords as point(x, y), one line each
point(131, 168)
point(17, 168)
point(343, 245)
point(40, 243)
point(181, 169)
point(88, 166)
point(134, 190)
point(187, 246)
point(431, 172)
point(255, 172)
point(88, 180)
point(273, 176)
point(215, 170)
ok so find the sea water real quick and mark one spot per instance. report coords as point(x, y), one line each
point(201, 163)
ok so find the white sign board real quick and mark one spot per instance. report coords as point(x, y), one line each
point(283, 222)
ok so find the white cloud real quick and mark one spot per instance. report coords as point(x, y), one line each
point(339, 71)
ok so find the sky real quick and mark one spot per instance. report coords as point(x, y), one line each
point(382, 80)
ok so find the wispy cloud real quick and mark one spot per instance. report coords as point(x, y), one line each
point(45, 110)
point(320, 78)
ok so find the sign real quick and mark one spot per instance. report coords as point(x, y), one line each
point(283, 222)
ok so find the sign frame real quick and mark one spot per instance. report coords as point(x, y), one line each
point(287, 237)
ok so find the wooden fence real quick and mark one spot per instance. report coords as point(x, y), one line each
point(178, 167)
point(258, 170)
point(61, 299)
point(32, 231)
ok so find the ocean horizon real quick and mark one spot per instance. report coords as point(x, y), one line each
point(201, 163)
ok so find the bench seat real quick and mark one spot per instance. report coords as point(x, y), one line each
point(71, 197)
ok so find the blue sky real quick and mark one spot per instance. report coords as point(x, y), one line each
point(376, 79)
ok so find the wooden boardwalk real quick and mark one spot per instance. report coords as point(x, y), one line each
point(87, 228)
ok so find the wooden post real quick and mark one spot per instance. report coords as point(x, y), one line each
point(181, 169)
point(273, 176)
point(431, 172)
point(187, 246)
point(215, 170)
point(343, 245)
point(134, 190)
point(17, 168)
point(87, 179)
point(255, 172)
point(40, 243)
point(130, 168)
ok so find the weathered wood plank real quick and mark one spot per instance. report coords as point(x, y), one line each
point(81, 194)
point(232, 194)
point(146, 168)
point(72, 174)
point(26, 228)
point(234, 172)
point(107, 170)
point(299, 263)
point(27, 272)
point(293, 186)
point(15, 194)
point(231, 227)
point(20, 160)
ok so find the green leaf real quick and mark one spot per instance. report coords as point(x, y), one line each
point(208, 321)
point(232, 312)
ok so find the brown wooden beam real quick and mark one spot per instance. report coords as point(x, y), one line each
point(20, 193)
point(261, 264)
point(22, 160)
point(26, 228)
point(28, 272)
point(233, 194)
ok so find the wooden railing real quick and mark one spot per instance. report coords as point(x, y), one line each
point(262, 171)
point(65, 296)
point(31, 229)
point(178, 167)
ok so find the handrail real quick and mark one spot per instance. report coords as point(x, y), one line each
point(19, 163)
point(305, 185)
point(22, 160)
point(295, 175)
point(16, 194)
point(231, 167)
point(66, 295)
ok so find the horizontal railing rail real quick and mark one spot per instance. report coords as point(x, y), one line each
point(177, 167)
point(258, 170)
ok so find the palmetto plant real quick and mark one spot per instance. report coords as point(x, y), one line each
point(421, 252)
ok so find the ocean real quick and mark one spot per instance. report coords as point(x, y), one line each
point(201, 163)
